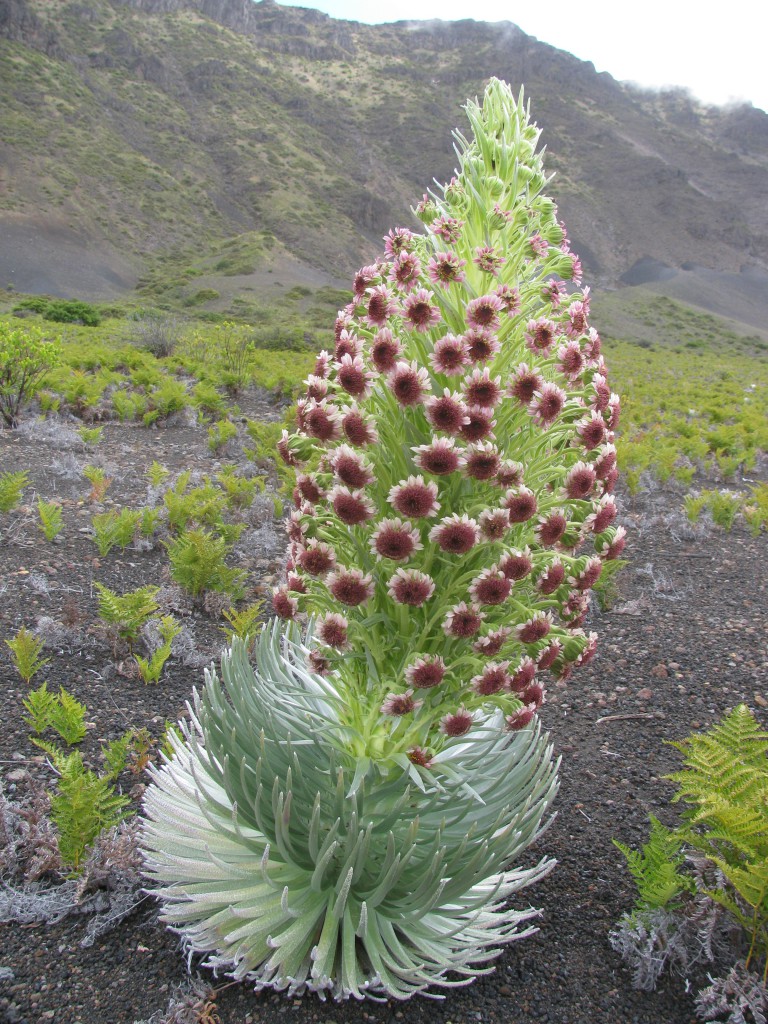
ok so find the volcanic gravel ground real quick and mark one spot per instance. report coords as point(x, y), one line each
point(683, 642)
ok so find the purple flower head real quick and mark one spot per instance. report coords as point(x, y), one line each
point(333, 630)
point(351, 467)
point(352, 507)
point(406, 271)
point(444, 269)
point(440, 457)
point(426, 671)
point(481, 461)
point(482, 390)
point(364, 278)
point(448, 228)
point(385, 350)
point(408, 382)
point(398, 241)
point(484, 312)
point(317, 558)
point(492, 679)
point(350, 586)
point(488, 259)
point(353, 376)
point(540, 336)
point(381, 306)
point(450, 355)
point(395, 539)
point(398, 704)
point(418, 312)
point(447, 412)
point(409, 586)
point(415, 498)
point(458, 723)
point(455, 534)
point(481, 344)
point(463, 621)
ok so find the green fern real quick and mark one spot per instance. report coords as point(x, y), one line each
point(90, 435)
point(655, 867)
point(25, 653)
point(115, 529)
point(84, 805)
point(198, 563)
point(220, 434)
point(129, 612)
point(724, 785)
point(157, 474)
point(98, 480)
point(203, 505)
point(39, 704)
point(51, 522)
point(11, 487)
point(240, 490)
point(68, 718)
point(116, 754)
point(150, 520)
point(151, 668)
point(242, 622)
point(63, 713)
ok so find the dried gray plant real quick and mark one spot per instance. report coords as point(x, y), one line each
point(191, 1003)
point(53, 431)
point(28, 846)
point(651, 941)
point(739, 997)
point(67, 467)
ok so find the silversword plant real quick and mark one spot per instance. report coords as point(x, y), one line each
point(342, 818)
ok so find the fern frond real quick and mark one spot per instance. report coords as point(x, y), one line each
point(39, 704)
point(128, 612)
point(67, 718)
point(83, 807)
point(750, 880)
point(26, 649)
point(51, 521)
point(198, 563)
point(116, 753)
point(655, 867)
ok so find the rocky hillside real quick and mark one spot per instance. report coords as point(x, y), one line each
point(134, 129)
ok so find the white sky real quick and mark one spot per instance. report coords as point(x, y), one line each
point(720, 56)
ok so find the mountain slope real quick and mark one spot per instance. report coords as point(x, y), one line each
point(137, 128)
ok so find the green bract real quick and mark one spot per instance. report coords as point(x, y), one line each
point(300, 867)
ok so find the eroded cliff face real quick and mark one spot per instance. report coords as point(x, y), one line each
point(153, 124)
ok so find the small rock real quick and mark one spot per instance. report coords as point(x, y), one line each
point(660, 671)
point(16, 775)
point(761, 701)
point(645, 693)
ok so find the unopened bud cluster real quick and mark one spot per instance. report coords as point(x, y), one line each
point(455, 461)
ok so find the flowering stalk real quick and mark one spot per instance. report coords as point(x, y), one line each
point(454, 504)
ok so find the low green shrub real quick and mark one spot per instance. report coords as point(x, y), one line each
point(26, 355)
